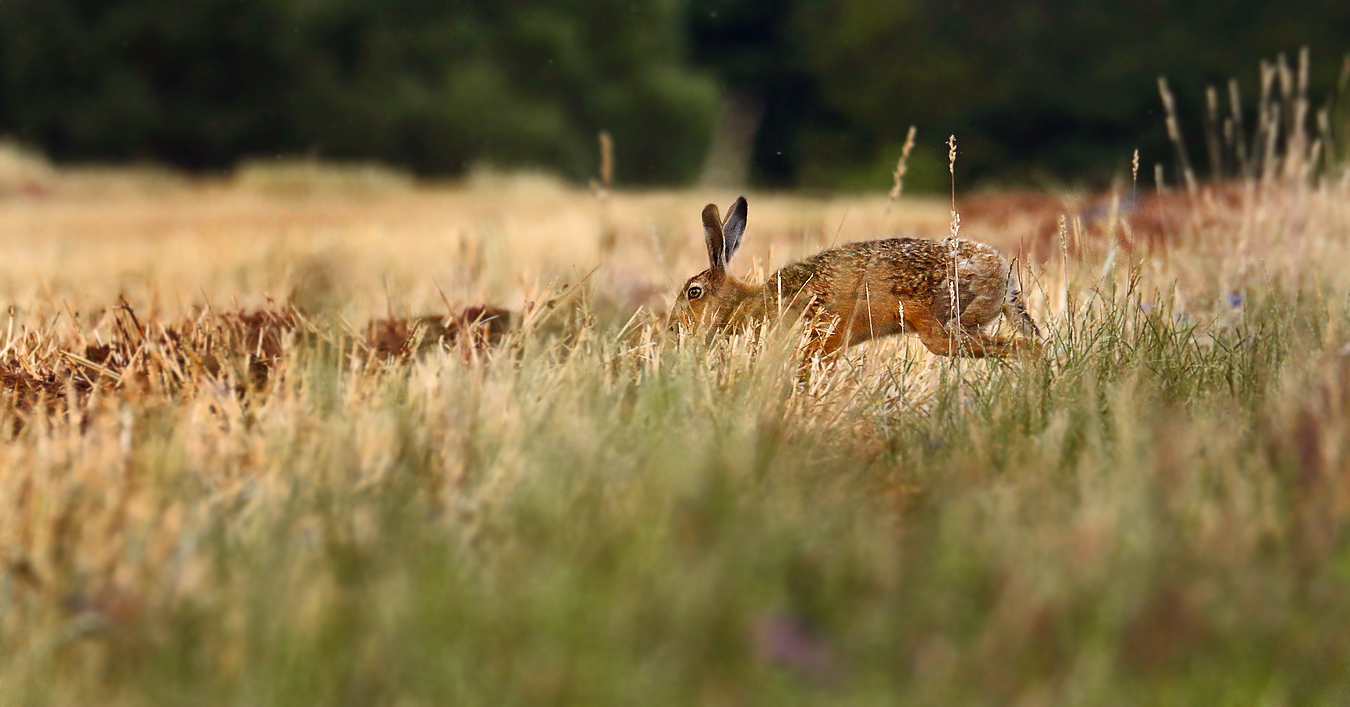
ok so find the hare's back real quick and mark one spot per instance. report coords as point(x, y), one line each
point(901, 267)
point(935, 262)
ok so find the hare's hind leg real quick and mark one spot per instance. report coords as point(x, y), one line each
point(937, 336)
point(1016, 313)
point(980, 307)
point(976, 344)
point(951, 340)
point(981, 344)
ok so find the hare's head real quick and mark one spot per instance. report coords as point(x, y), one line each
point(710, 298)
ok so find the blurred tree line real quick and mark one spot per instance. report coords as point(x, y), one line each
point(1034, 90)
point(433, 85)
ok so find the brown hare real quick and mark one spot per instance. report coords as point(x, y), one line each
point(860, 291)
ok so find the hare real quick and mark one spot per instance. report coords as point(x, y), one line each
point(860, 291)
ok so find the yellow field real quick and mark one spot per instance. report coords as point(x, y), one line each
point(590, 514)
point(181, 245)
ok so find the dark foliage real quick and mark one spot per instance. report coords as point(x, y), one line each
point(434, 85)
point(1034, 90)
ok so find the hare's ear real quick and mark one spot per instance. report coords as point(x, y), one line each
point(733, 228)
point(712, 233)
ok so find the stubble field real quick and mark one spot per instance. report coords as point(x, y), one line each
point(254, 453)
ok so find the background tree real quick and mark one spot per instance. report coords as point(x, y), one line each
point(1036, 91)
point(752, 47)
point(434, 85)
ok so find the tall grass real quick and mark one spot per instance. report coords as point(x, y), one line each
point(1155, 512)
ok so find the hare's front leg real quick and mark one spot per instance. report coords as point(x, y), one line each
point(826, 341)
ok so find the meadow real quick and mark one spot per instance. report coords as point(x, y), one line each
point(216, 488)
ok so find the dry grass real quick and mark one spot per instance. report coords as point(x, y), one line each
point(233, 474)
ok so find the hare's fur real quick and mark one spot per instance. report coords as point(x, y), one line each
point(860, 291)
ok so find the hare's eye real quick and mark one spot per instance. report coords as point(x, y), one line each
point(694, 292)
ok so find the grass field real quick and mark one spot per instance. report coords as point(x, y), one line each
point(207, 497)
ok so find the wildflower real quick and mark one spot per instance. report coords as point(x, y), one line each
point(790, 641)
